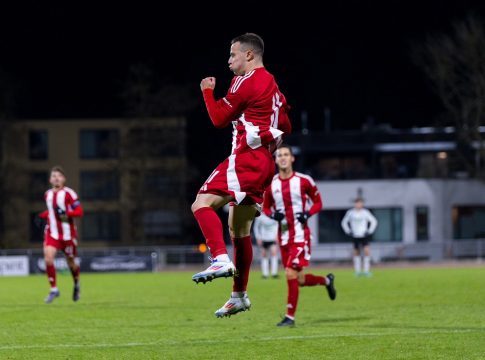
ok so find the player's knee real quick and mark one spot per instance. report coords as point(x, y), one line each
point(70, 262)
point(237, 231)
point(195, 206)
point(232, 234)
point(49, 260)
point(291, 274)
point(201, 203)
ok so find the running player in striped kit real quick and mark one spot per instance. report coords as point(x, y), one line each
point(60, 232)
point(286, 200)
point(257, 110)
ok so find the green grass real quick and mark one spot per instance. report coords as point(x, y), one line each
point(414, 313)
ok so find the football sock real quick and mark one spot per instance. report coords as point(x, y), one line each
point(312, 280)
point(357, 264)
point(51, 275)
point(274, 265)
point(243, 256)
point(211, 227)
point(265, 266)
point(366, 264)
point(293, 292)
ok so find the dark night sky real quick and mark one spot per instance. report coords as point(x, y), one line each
point(71, 60)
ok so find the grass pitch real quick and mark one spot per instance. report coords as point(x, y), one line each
point(415, 313)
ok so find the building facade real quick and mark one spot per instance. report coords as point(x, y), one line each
point(128, 173)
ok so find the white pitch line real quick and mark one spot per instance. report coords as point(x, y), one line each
point(211, 341)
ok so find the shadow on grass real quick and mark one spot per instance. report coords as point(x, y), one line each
point(337, 320)
point(416, 327)
point(108, 305)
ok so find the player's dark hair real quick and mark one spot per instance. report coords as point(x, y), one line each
point(59, 169)
point(286, 146)
point(252, 40)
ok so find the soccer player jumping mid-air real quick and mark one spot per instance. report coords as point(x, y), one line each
point(258, 112)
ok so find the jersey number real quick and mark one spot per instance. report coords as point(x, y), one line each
point(211, 177)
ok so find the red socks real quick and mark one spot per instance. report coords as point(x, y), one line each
point(293, 292)
point(211, 227)
point(312, 280)
point(51, 275)
point(243, 256)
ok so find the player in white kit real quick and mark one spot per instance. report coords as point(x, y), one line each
point(360, 224)
point(266, 233)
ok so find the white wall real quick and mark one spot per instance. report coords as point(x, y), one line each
point(439, 195)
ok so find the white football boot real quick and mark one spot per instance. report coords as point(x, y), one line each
point(217, 269)
point(233, 306)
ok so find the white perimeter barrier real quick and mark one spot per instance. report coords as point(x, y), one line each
point(14, 265)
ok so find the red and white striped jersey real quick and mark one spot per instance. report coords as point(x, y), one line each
point(291, 196)
point(67, 200)
point(256, 108)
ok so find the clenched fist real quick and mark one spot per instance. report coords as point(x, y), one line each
point(208, 83)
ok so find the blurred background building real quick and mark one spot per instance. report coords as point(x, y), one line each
point(130, 175)
point(132, 178)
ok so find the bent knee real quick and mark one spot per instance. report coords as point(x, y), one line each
point(195, 206)
point(198, 204)
point(291, 274)
point(239, 233)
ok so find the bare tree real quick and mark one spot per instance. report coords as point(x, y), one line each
point(455, 65)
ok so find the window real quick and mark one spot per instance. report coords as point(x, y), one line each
point(99, 144)
point(389, 226)
point(38, 145)
point(468, 222)
point(36, 228)
point(101, 226)
point(422, 223)
point(159, 223)
point(338, 167)
point(330, 230)
point(100, 185)
point(39, 183)
point(155, 142)
point(161, 183)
